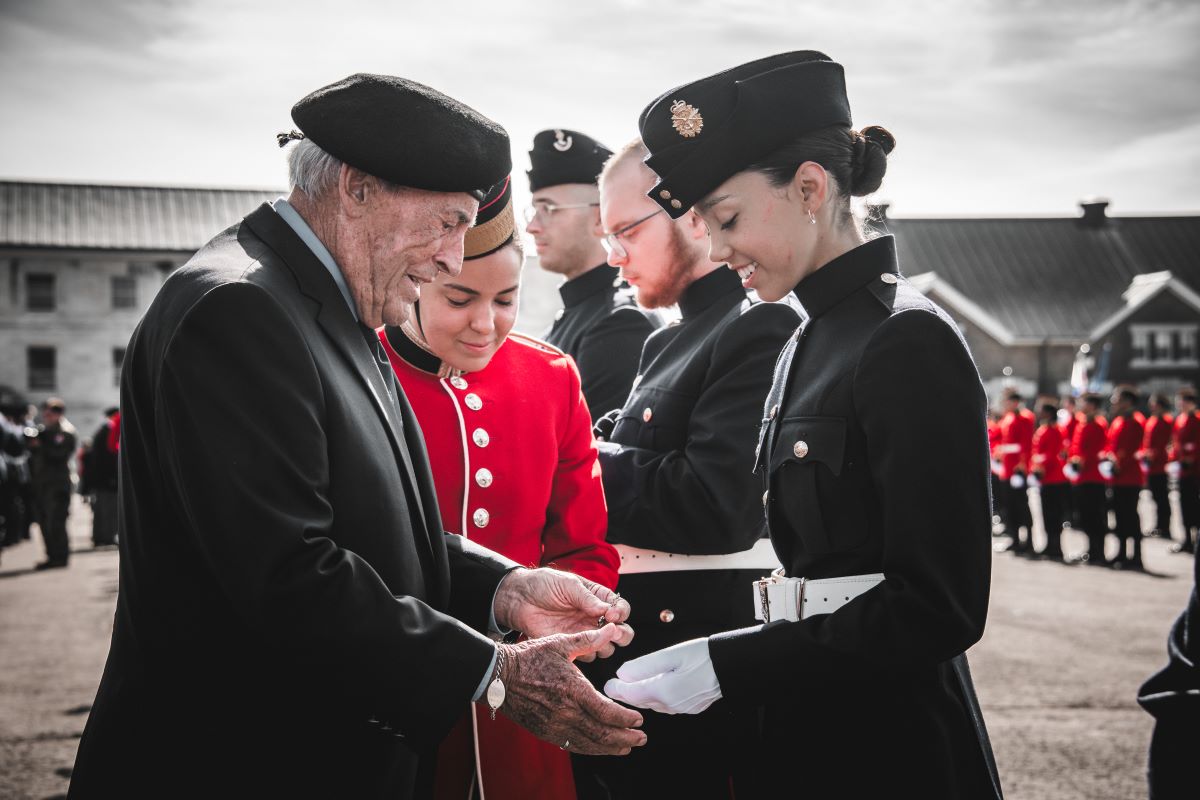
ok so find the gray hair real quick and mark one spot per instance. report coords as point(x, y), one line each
point(311, 169)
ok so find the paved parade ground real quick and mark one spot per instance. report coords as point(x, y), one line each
point(1065, 651)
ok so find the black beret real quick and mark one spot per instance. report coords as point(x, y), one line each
point(563, 156)
point(494, 223)
point(703, 133)
point(405, 133)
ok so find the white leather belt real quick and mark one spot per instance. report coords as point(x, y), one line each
point(635, 559)
point(793, 599)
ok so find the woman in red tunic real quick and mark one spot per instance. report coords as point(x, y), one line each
point(514, 463)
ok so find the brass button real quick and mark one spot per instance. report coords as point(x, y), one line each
point(647, 414)
point(666, 615)
point(664, 194)
point(480, 437)
point(800, 449)
point(774, 411)
point(888, 277)
point(483, 477)
point(481, 518)
point(458, 383)
point(676, 204)
point(473, 402)
point(766, 497)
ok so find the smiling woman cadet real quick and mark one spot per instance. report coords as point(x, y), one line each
point(873, 456)
point(514, 463)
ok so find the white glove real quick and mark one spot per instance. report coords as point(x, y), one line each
point(676, 680)
point(1106, 469)
point(1017, 481)
point(1033, 482)
point(1174, 469)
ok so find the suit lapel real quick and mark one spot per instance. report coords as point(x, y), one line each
point(336, 319)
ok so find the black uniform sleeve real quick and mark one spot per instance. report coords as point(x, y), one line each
point(608, 359)
point(243, 451)
point(922, 408)
point(704, 498)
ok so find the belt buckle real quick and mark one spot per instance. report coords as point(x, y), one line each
point(764, 599)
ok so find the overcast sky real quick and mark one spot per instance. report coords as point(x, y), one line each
point(998, 106)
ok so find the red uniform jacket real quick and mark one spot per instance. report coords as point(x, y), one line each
point(1155, 443)
point(1123, 442)
point(1049, 453)
point(993, 431)
point(1085, 450)
point(1016, 442)
point(1068, 427)
point(516, 470)
point(1185, 443)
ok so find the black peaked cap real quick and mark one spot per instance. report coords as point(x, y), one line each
point(703, 133)
point(563, 156)
point(406, 133)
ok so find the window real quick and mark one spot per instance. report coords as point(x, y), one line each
point(118, 358)
point(42, 362)
point(124, 291)
point(1167, 345)
point(39, 292)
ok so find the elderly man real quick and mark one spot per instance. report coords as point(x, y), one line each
point(292, 620)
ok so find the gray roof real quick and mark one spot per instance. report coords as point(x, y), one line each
point(94, 217)
point(1045, 277)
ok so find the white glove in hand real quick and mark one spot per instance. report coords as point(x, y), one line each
point(676, 680)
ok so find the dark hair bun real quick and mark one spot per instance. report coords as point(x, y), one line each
point(868, 161)
point(880, 136)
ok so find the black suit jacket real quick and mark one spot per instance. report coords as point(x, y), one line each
point(287, 624)
point(892, 477)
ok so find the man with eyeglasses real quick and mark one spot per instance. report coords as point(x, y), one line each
point(684, 505)
point(600, 324)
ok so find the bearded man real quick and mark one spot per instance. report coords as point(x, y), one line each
point(684, 507)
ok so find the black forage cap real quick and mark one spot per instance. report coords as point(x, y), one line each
point(494, 224)
point(405, 133)
point(705, 132)
point(563, 156)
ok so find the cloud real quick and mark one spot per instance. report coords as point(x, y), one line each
point(986, 97)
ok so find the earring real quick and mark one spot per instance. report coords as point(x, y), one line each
point(811, 218)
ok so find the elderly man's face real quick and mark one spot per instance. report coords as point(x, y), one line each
point(398, 240)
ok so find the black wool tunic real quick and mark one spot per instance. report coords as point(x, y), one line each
point(873, 454)
point(602, 328)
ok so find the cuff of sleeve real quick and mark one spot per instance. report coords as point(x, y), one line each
point(486, 676)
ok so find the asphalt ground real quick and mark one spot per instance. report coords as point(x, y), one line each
point(1057, 671)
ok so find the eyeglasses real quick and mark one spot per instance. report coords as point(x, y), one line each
point(546, 210)
point(612, 241)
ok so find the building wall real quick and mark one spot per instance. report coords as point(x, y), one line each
point(1034, 369)
point(84, 328)
point(1167, 309)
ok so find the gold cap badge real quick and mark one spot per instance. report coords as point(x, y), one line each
point(686, 119)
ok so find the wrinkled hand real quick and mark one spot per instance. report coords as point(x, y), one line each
point(548, 696)
point(543, 602)
point(676, 680)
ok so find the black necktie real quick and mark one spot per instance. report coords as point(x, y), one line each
point(381, 359)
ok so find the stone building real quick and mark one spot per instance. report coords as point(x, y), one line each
point(1033, 295)
point(81, 263)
